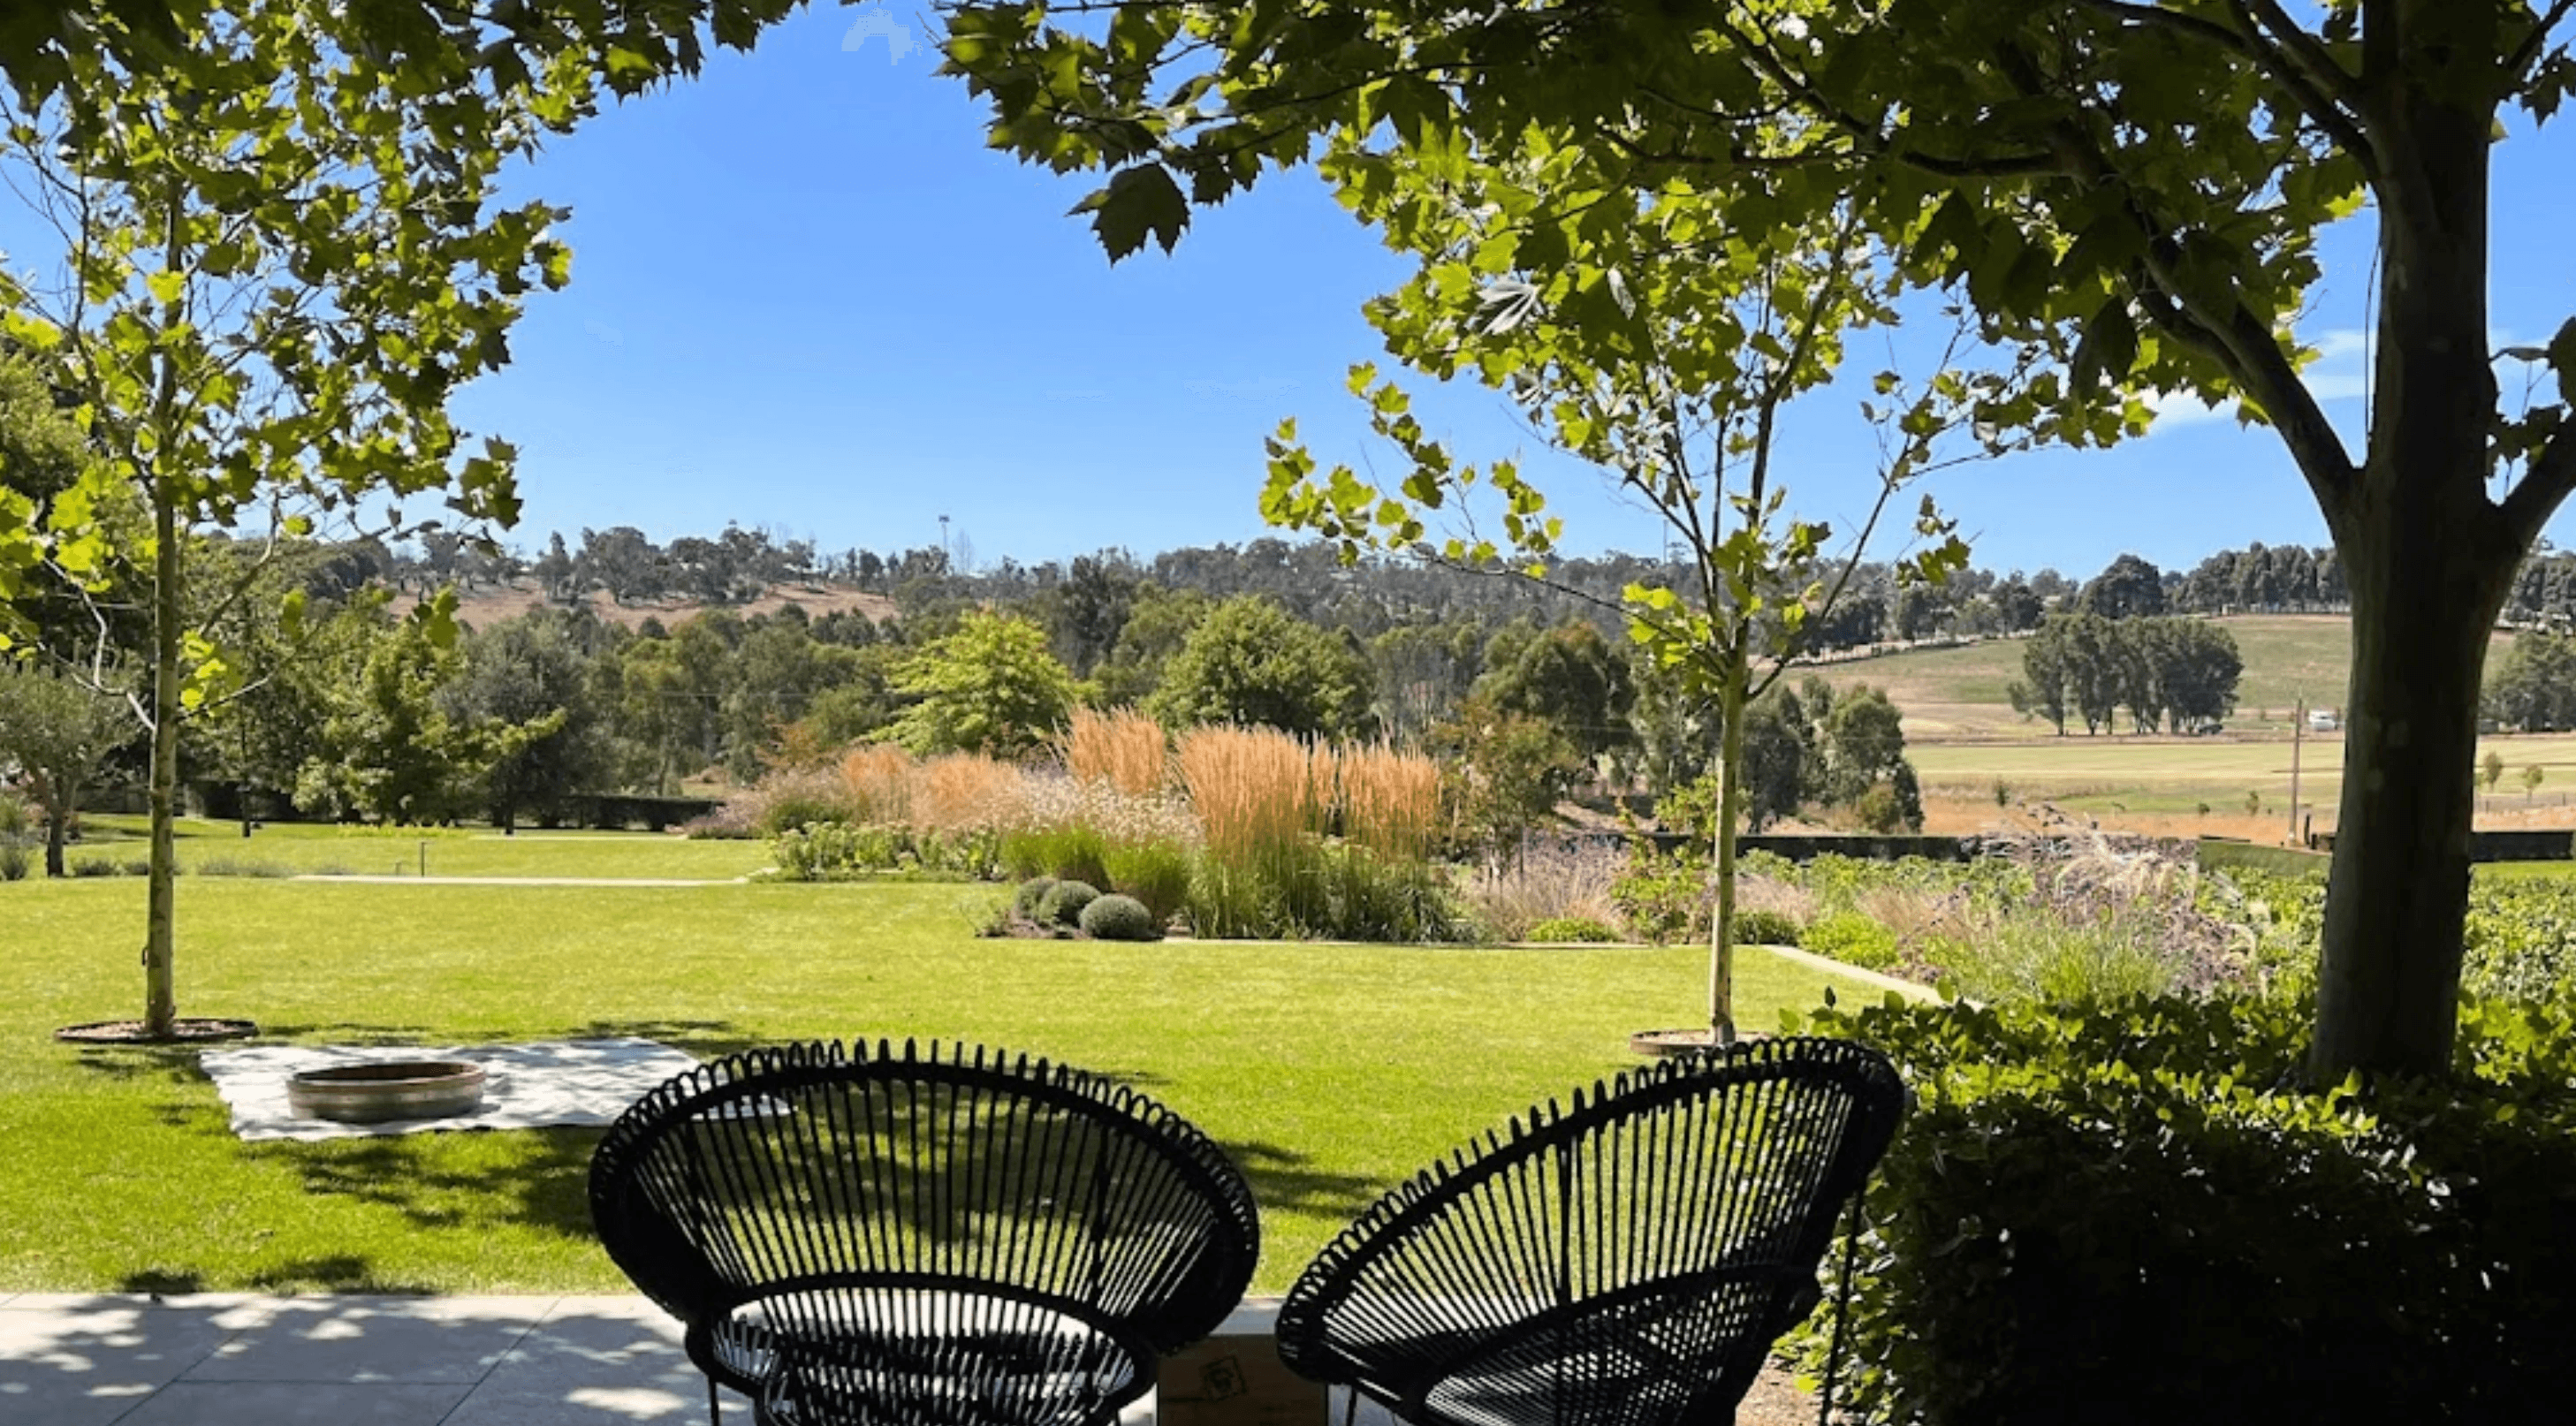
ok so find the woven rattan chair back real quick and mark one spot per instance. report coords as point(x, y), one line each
point(943, 1236)
point(1626, 1261)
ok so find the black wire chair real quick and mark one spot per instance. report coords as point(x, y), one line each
point(1625, 1262)
point(922, 1237)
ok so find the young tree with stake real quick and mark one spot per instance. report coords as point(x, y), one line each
point(1663, 351)
point(274, 264)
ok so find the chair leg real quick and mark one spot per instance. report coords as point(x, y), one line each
point(1842, 1315)
point(715, 1405)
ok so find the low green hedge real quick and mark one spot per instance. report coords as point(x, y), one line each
point(1853, 939)
point(2133, 1212)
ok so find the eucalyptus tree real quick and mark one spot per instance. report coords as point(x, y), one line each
point(270, 268)
point(2130, 190)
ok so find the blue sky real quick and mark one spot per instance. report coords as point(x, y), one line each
point(805, 295)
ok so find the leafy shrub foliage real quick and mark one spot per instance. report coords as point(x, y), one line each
point(17, 837)
point(1063, 902)
point(1567, 930)
point(1119, 918)
point(1664, 897)
point(794, 800)
point(2133, 1212)
point(1024, 901)
point(838, 851)
point(1759, 926)
point(1853, 939)
point(2522, 939)
point(1072, 851)
point(1311, 888)
point(1156, 873)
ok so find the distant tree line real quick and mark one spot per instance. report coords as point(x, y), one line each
point(2532, 688)
point(355, 712)
point(2168, 672)
point(352, 711)
point(2294, 579)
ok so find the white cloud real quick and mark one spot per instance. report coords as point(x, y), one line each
point(2341, 372)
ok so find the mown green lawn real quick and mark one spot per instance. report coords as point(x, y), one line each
point(1330, 1071)
point(287, 848)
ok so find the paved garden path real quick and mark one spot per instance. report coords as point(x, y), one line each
point(519, 880)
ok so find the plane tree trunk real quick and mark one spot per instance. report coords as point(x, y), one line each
point(2429, 559)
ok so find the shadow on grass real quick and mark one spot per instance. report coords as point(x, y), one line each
point(339, 1272)
point(1282, 1182)
point(186, 1105)
point(542, 1181)
point(705, 1039)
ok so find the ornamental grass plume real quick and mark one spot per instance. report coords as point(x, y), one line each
point(880, 780)
point(1390, 800)
point(1552, 879)
point(968, 792)
point(1253, 788)
point(1125, 749)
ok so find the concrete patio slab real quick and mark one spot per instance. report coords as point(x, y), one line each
point(85, 1359)
point(281, 1403)
point(243, 1309)
point(376, 1339)
point(595, 1361)
point(90, 1360)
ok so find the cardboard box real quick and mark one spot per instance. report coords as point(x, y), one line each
point(1235, 1378)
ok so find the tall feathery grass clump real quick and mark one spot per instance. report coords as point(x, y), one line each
point(878, 779)
point(1112, 821)
point(1266, 802)
point(1390, 800)
point(1124, 749)
point(968, 792)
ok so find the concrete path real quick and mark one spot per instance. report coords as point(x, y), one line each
point(1906, 989)
point(218, 1359)
point(513, 880)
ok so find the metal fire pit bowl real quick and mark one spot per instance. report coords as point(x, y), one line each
point(394, 1089)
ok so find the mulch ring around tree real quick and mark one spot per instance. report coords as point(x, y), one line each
point(1679, 1044)
point(182, 1032)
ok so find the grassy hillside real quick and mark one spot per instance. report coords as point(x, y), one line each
point(1953, 694)
point(1965, 740)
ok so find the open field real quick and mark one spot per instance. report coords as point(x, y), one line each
point(281, 848)
point(1963, 737)
point(2160, 784)
point(1958, 693)
point(1331, 1072)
